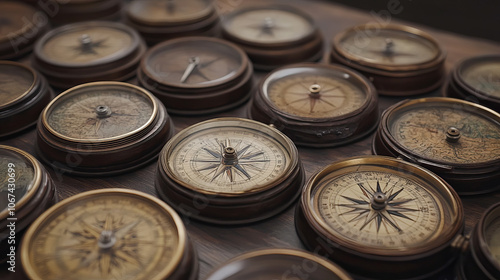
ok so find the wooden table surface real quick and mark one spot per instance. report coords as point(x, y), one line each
point(216, 244)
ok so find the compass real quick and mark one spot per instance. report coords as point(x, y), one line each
point(274, 35)
point(20, 26)
point(317, 105)
point(197, 75)
point(229, 171)
point(481, 259)
point(275, 263)
point(378, 216)
point(84, 52)
point(109, 234)
point(399, 60)
point(23, 95)
point(26, 190)
point(456, 139)
point(159, 20)
point(476, 79)
point(102, 128)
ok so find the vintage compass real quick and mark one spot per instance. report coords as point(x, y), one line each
point(274, 35)
point(20, 26)
point(481, 260)
point(476, 79)
point(109, 234)
point(278, 264)
point(317, 105)
point(88, 51)
point(229, 171)
point(381, 218)
point(399, 60)
point(197, 75)
point(160, 20)
point(102, 128)
point(26, 190)
point(456, 139)
point(23, 95)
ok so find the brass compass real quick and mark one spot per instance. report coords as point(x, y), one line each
point(399, 60)
point(91, 51)
point(197, 75)
point(102, 128)
point(476, 79)
point(160, 20)
point(380, 217)
point(274, 35)
point(458, 140)
point(317, 105)
point(109, 234)
point(277, 264)
point(23, 95)
point(242, 170)
point(26, 190)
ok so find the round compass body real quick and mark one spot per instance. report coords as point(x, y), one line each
point(476, 79)
point(456, 139)
point(381, 218)
point(26, 190)
point(481, 260)
point(109, 234)
point(399, 60)
point(197, 75)
point(23, 95)
point(229, 171)
point(20, 26)
point(276, 263)
point(274, 35)
point(317, 105)
point(88, 51)
point(159, 20)
point(102, 128)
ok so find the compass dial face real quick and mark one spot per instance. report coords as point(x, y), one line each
point(387, 47)
point(229, 157)
point(13, 19)
point(483, 76)
point(314, 92)
point(424, 128)
point(104, 235)
point(492, 233)
point(16, 82)
point(86, 44)
point(170, 11)
point(100, 111)
point(194, 63)
point(268, 25)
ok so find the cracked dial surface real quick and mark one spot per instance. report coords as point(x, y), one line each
point(314, 92)
point(16, 82)
point(170, 11)
point(100, 111)
point(483, 76)
point(423, 128)
point(230, 158)
point(105, 235)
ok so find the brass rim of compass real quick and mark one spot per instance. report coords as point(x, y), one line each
point(426, 65)
point(126, 86)
point(73, 27)
point(201, 42)
point(359, 80)
point(279, 137)
point(53, 211)
point(458, 104)
point(235, 38)
point(458, 78)
point(34, 82)
point(440, 189)
point(35, 183)
point(479, 246)
point(279, 252)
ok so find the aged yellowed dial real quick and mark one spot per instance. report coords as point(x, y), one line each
point(173, 11)
point(16, 83)
point(377, 210)
point(484, 76)
point(105, 234)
